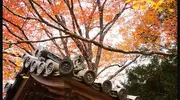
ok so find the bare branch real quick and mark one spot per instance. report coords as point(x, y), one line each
point(20, 30)
point(10, 62)
point(50, 15)
point(50, 2)
point(28, 41)
point(54, 42)
point(111, 23)
point(81, 45)
point(71, 9)
point(96, 36)
point(98, 55)
point(78, 25)
point(104, 3)
point(91, 14)
point(110, 67)
point(74, 35)
point(18, 47)
point(12, 32)
point(82, 12)
point(8, 53)
point(88, 28)
point(110, 77)
point(60, 19)
point(23, 49)
point(109, 48)
point(64, 42)
point(106, 28)
point(28, 18)
point(44, 21)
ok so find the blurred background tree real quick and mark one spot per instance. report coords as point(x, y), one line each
point(154, 81)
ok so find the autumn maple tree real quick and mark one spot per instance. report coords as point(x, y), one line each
point(105, 32)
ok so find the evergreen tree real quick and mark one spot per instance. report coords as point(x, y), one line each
point(155, 81)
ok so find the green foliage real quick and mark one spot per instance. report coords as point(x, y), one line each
point(155, 81)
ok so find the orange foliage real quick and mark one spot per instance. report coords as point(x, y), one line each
point(147, 22)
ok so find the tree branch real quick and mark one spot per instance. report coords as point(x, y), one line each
point(104, 3)
point(82, 12)
point(74, 35)
point(88, 28)
point(98, 55)
point(64, 42)
point(44, 21)
point(54, 42)
point(114, 49)
point(117, 72)
point(12, 32)
point(111, 23)
point(81, 45)
point(109, 48)
point(61, 19)
point(59, 23)
point(28, 18)
point(28, 41)
point(10, 62)
point(73, 16)
point(4, 52)
point(20, 30)
point(23, 49)
point(110, 67)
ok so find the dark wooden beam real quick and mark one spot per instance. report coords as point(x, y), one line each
point(55, 84)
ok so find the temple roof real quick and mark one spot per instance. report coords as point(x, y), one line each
point(48, 79)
